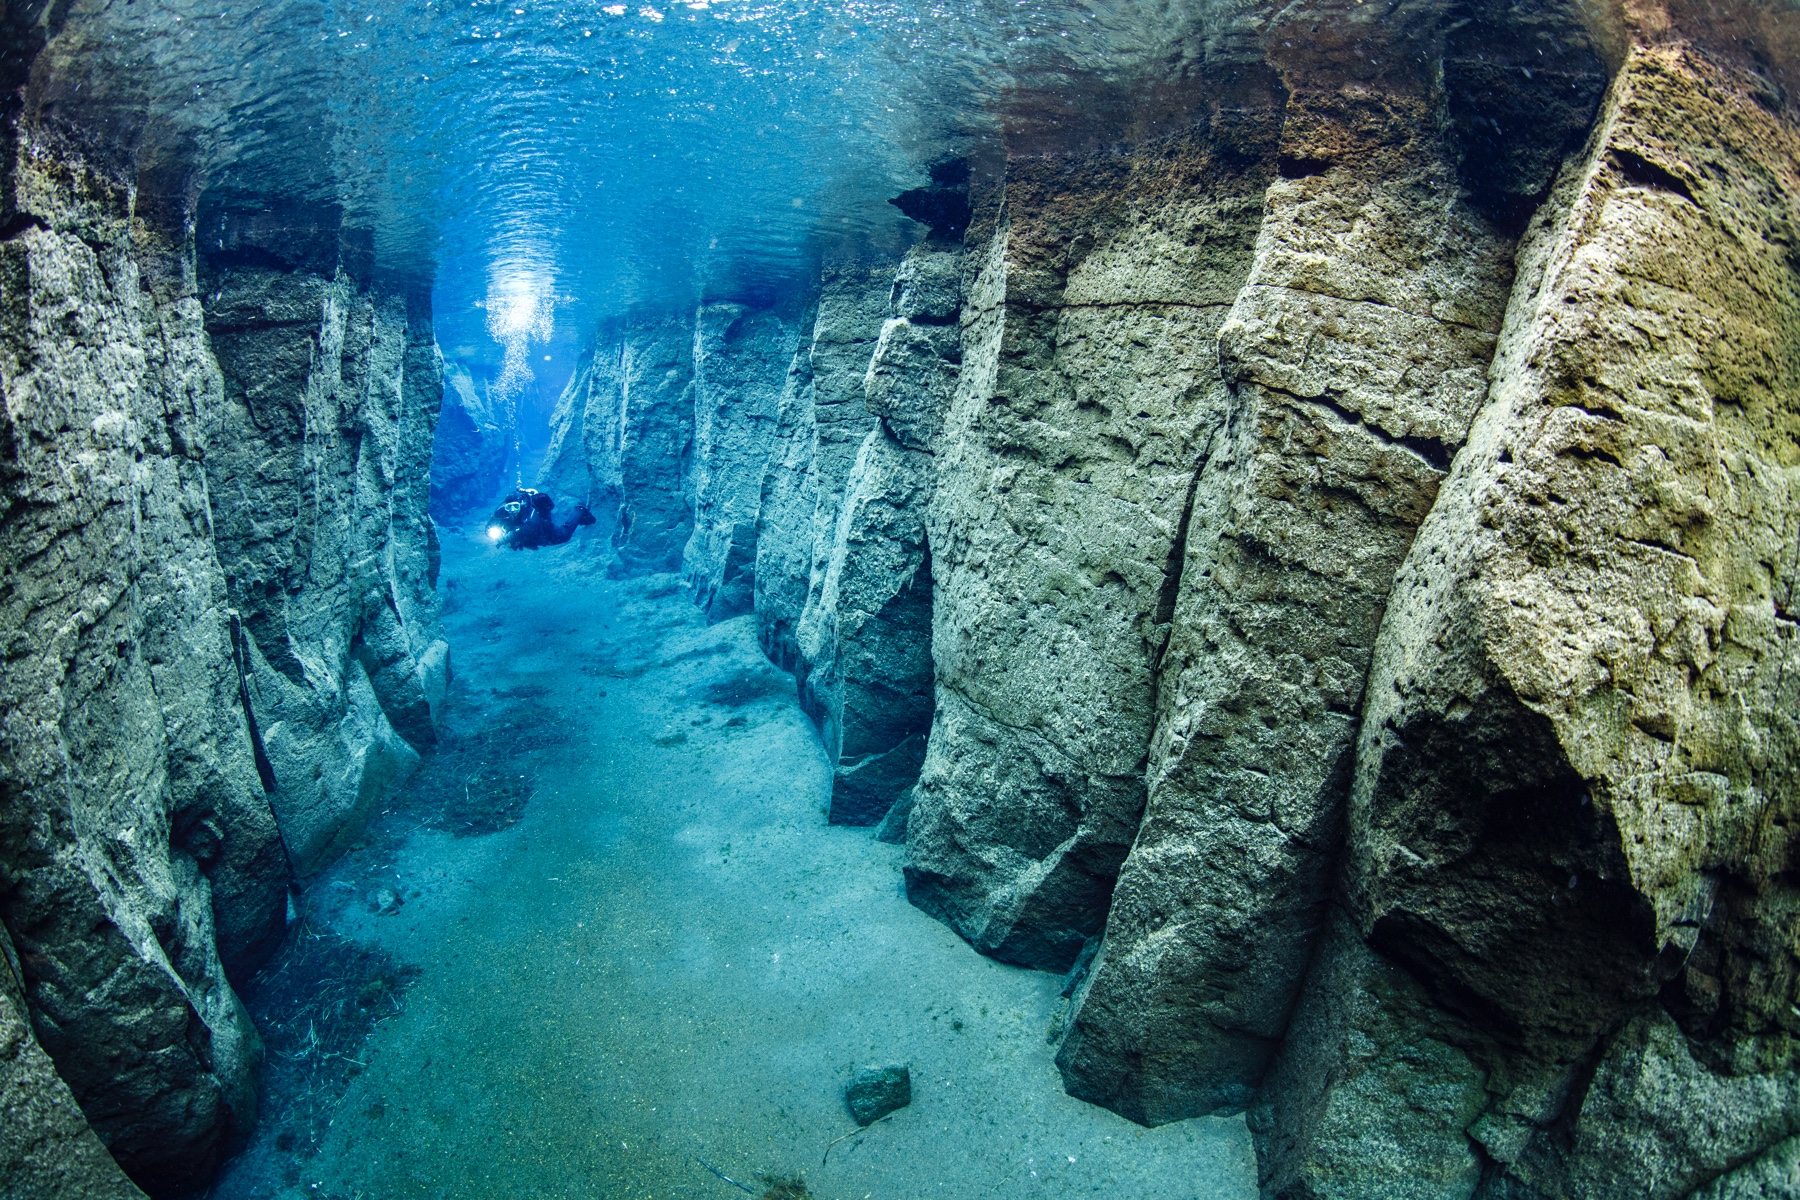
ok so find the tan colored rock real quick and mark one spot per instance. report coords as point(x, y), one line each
point(821, 424)
point(1600, 597)
point(1574, 782)
point(864, 637)
point(1088, 394)
point(1374, 1089)
point(1357, 353)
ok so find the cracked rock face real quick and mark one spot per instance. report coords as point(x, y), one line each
point(1575, 784)
point(468, 451)
point(638, 436)
point(1088, 393)
point(46, 1147)
point(741, 356)
point(319, 515)
point(1357, 352)
point(823, 422)
point(214, 506)
point(865, 634)
point(140, 856)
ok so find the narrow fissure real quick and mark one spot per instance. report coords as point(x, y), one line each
point(653, 653)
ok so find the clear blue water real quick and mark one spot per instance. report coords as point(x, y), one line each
point(658, 953)
point(580, 158)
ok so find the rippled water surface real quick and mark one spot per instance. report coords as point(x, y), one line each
point(569, 160)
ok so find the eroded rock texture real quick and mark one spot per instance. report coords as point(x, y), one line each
point(741, 358)
point(469, 450)
point(568, 473)
point(653, 439)
point(138, 854)
point(47, 1148)
point(319, 488)
point(865, 636)
point(821, 424)
point(1576, 775)
point(1089, 392)
point(163, 521)
point(1357, 355)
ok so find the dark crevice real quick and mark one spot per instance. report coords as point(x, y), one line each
point(1436, 453)
point(1641, 172)
point(1172, 566)
point(18, 223)
point(265, 770)
point(1593, 454)
point(1598, 411)
point(1294, 166)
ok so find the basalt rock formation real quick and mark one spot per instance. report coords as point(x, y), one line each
point(741, 357)
point(1356, 353)
point(319, 489)
point(469, 450)
point(1571, 815)
point(1090, 391)
point(1308, 541)
point(622, 438)
point(865, 636)
point(216, 570)
point(1347, 580)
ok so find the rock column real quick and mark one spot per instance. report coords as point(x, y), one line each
point(1088, 394)
point(740, 356)
point(319, 515)
point(1356, 355)
point(1575, 783)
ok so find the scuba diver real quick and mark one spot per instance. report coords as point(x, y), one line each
point(524, 521)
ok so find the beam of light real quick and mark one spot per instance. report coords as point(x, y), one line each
point(520, 310)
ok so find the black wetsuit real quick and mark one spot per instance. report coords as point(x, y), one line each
point(539, 530)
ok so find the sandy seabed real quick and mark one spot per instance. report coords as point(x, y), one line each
point(628, 943)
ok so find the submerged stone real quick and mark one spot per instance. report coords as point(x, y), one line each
point(878, 1091)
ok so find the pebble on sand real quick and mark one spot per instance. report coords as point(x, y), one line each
point(877, 1091)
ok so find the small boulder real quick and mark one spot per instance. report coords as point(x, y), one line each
point(387, 902)
point(878, 1091)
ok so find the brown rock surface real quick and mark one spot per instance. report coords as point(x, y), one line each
point(1089, 391)
point(1576, 782)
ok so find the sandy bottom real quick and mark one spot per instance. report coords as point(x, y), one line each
point(662, 956)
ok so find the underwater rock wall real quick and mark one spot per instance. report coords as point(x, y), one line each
point(821, 423)
point(865, 635)
point(1575, 783)
point(1356, 355)
point(741, 359)
point(319, 487)
point(569, 473)
point(469, 450)
point(147, 549)
point(1089, 393)
point(138, 852)
point(1451, 867)
point(621, 439)
point(842, 591)
point(47, 1149)
point(654, 444)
